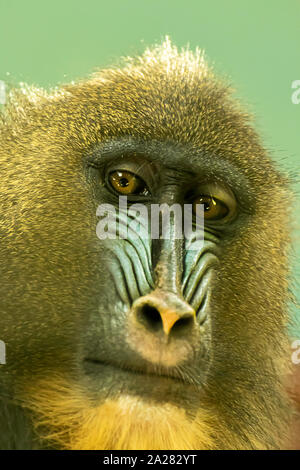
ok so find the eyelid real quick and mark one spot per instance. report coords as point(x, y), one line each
point(222, 193)
point(140, 180)
point(141, 168)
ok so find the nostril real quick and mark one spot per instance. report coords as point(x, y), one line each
point(163, 312)
point(150, 317)
point(155, 321)
point(183, 324)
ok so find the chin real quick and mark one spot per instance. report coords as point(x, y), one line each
point(123, 420)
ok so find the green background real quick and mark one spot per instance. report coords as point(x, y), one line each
point(254, 43)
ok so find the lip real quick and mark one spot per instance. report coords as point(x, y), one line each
point(159, 373)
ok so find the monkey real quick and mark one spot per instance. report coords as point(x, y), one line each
point(136, 342)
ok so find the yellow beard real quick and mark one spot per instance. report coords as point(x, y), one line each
point(64, 417)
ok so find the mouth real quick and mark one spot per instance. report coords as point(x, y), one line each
point(94, 366)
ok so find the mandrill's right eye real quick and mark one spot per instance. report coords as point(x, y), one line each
point(127, 183)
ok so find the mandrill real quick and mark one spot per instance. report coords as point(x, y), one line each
point(121, 339)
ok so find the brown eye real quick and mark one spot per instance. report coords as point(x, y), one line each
point(214, 209)
point(125, 182)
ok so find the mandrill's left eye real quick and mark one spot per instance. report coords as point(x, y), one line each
point(125, 182)
point(214, 209)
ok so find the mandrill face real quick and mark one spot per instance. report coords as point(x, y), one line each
point(144, 237)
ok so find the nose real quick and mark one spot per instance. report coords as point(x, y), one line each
point(164, 312)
